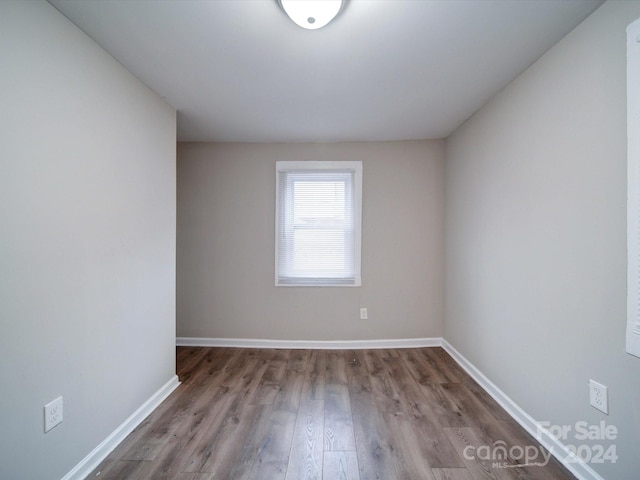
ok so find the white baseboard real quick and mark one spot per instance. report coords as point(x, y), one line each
point(309, 344)
point(91, 461)
point(579, 468)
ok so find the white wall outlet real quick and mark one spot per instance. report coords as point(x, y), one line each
point(598, 396)
point(52, 414)
point(363, 314)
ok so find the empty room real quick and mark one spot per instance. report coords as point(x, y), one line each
point(331, 239)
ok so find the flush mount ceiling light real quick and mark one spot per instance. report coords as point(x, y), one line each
point(312, 14)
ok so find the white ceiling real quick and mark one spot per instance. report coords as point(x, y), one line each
point(240, 70)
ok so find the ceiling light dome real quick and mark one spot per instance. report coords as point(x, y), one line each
point(311, 14)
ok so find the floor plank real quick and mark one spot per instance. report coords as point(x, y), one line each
point(451, 474)
point(340, 466)
point(305, 461)
point(315, 376)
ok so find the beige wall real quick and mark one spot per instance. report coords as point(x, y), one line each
point(536, 236)
point(87, 241)
point(226, 197)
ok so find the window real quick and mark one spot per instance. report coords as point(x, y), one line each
point(318, 212)
point(633, 188)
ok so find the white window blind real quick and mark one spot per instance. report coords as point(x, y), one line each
point(318, 210)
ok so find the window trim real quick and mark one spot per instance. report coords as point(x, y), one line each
point(633, 190)
point(338, 166)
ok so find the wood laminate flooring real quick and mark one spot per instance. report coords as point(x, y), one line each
point(326, 414)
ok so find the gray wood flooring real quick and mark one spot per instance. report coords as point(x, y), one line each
point(326, 414)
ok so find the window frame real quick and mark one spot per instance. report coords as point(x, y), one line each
point(633, 189)
point(321, 167)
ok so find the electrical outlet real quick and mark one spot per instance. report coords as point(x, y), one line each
point(52, 414)
point(363, 314)
point(598, 397)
